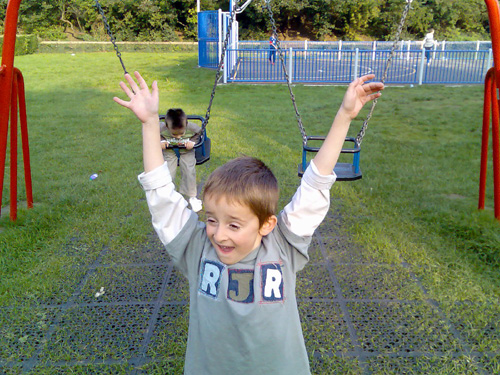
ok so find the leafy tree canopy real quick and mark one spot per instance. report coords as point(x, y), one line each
point(171, 20)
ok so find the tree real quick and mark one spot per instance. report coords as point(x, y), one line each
point(314, 19)
point(41, 17)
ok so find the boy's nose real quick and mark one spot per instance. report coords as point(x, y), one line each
point(220, 234)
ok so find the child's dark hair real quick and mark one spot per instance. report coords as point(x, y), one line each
point(248, 181)
point(176, 118)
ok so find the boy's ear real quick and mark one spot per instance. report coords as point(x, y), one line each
point(268, 225)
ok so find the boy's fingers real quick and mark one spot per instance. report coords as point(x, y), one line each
point(374, 96)
point(367, 77)
point(132, 83)
point(379, 87)
point(129, 78)
point(374, 86)
point(361, 80)
point(120, 101)
point(140, 80)
point(126, 90)
point(154, 89)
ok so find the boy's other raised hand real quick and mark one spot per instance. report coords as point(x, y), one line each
point(143, 103)
point(359, 93)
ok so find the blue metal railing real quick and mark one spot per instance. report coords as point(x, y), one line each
point(340, 61)
point(405, 45)
point(335, 66)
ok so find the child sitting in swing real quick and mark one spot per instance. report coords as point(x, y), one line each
point(178, 131)
point(242, 263)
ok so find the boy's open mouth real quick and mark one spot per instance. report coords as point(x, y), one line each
point(225, 249)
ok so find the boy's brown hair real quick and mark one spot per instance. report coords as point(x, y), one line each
point(176, 119)
point(248, 181)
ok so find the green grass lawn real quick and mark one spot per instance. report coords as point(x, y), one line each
point(417, 201)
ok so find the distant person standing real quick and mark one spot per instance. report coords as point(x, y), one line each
point(272, 49)
point(428, 44)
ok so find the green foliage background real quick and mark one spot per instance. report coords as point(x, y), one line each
point(25, 44)
point(172, 20)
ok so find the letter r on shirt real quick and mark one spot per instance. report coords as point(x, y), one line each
point(272, 282)
point(210, 276)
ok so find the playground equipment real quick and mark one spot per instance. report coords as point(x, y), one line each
point(12, 93)
point(491, 102)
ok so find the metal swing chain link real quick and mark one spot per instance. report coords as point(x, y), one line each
point(283, 65)
point(221, 63)
point(112, 38)
point(361, 134)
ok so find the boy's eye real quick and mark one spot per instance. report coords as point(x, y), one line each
point(234, 226)
point(211, 221)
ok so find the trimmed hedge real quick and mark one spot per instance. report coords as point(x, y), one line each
point(79, 47)
point(25, 44)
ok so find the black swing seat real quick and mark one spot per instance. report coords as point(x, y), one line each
point(344, 171)
point(202, 148)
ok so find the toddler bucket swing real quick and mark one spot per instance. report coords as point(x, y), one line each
point(344, 171)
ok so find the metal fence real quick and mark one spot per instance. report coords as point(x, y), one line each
point(462, 62)
point(408, 66)
point(405, 45)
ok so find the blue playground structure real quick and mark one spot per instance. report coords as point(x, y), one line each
point(339, 61)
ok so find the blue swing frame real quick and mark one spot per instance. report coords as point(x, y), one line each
point(344, 171)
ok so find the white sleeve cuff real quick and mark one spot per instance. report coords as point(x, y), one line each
point(317, 180)
point(310, 203)
point(169, 211)
point(156, 178)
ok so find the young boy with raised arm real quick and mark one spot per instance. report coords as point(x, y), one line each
point(242, 263)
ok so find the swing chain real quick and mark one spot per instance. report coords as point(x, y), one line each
point(112, 38)
point(361, 134)
point(221, 63)
point(283, 65)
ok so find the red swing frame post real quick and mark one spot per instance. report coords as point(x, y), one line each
point(11, 93)
point(491, 103)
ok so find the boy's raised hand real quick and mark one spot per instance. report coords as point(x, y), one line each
point(359, 93)
point(142, 102)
